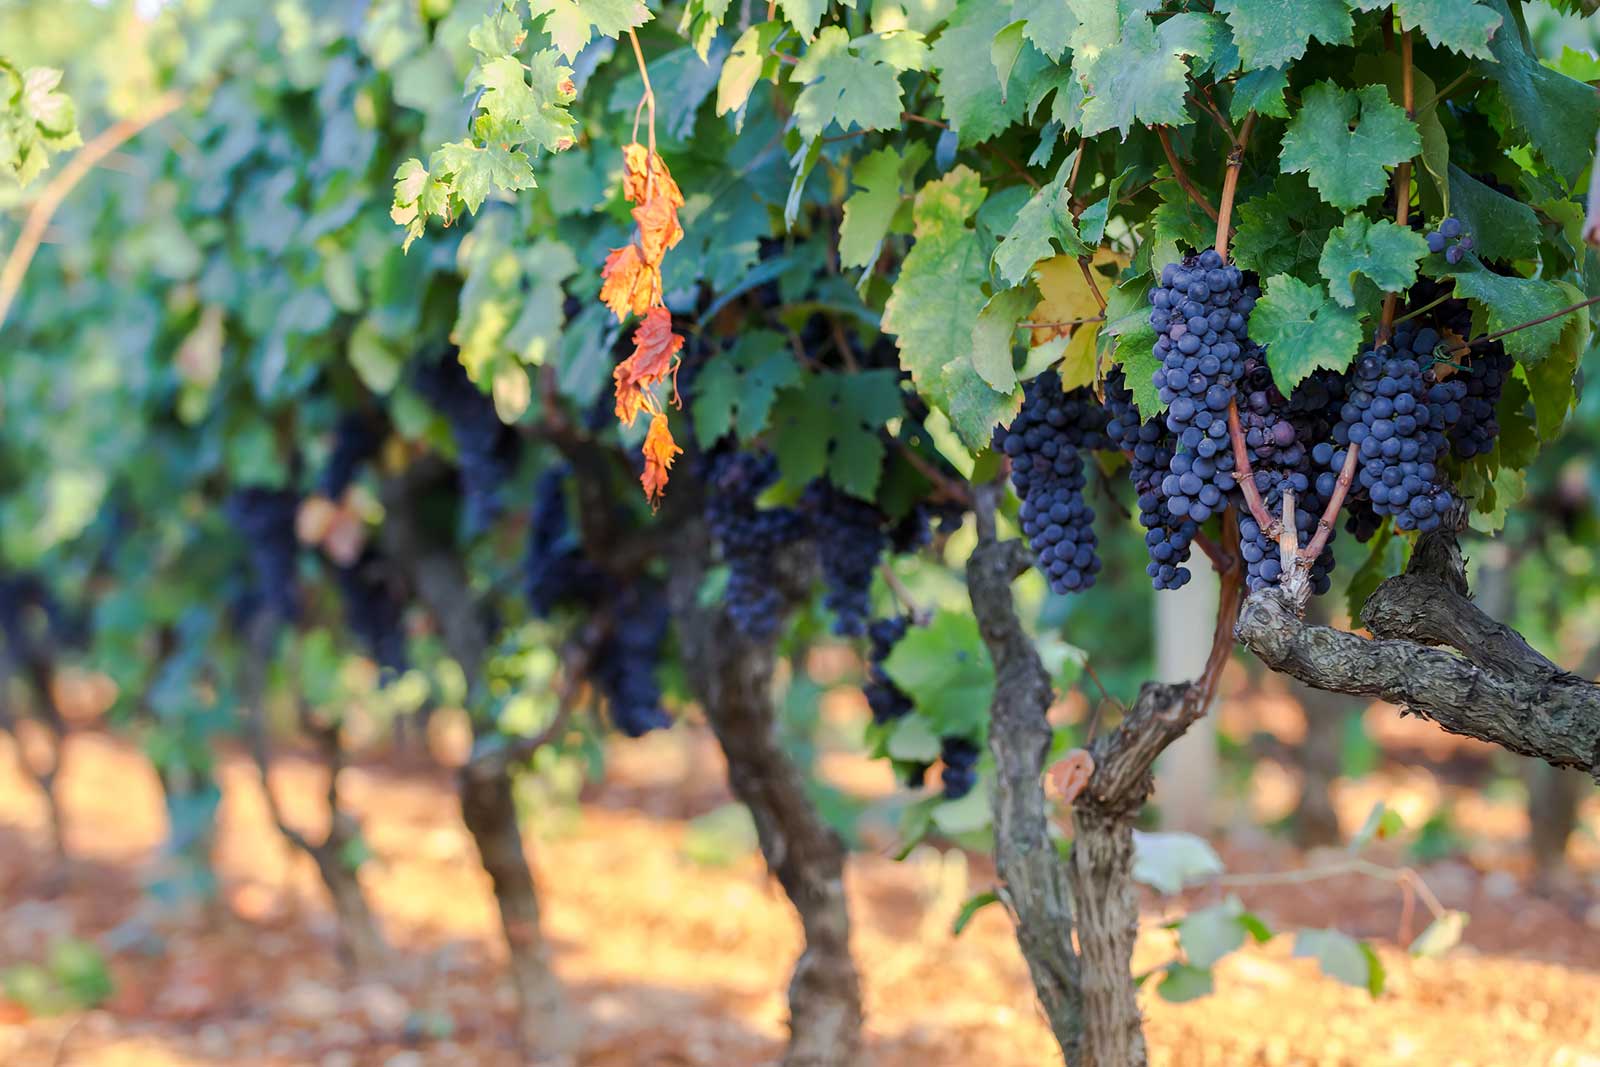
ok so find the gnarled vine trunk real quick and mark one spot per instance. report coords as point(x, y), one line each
point(733, 676)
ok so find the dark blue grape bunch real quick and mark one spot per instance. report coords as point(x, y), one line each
point(1484, 378)
point(355, 441)
point(916, 528)
point(749, 536)
point(1148, 446)
point(1451, 239)
point(486, 448)
point(265, 518)
point(1201, 312)
point(1396, 415)
point(555, 570)
point(960, 758)
point(625, 663)
point(887, 701)
point(1047, 472)
point(373, 610)
point(850, 540)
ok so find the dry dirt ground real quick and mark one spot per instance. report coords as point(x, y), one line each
point(675, 963)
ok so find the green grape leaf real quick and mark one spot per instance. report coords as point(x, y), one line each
point(936, 301)
point(1211, 933)
point(1552, 381)
point(913, 741)
point(1501, 302)
point(1559, 114)
point(736, 390)
point(473, 172)
point(1177, 224)
point(1344, 141)
point(1343, 957)
point(1303, 330)
point(746, 65)
point(1442, 935)
point(1501, 228)
point(1260, 91)
point(1182, 982)
point(1464, 26)
point(806, 15)
point(522, 104)
point(973, 905)
point(571, 24)
point(973, 103)
point(853, 83)
point(1166, 862)
point(701, 21)
point(829, 425)
point(883, 181)
point(994, 335)
point(1043, 226)
point(1284, 230)
point(1386, 253)
point(1003, 53)
point(1271, 33)
point(945, 668)
point(1134, 70)
point(1048, 24)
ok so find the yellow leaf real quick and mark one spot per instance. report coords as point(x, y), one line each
point(1067, 297)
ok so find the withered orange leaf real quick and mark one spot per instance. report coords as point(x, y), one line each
point(658, 227)
point(659, 451)
point(629, 283)
point(639, 184)
point(631, 399)
point(654, 359)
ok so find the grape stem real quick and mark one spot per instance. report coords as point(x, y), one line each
point(1182, 175)
point(947, 488)
point(1203, 690)
point(1230, 186)
point(1245, 477)
point(647, 100)
point(920, 616)
point(1402, 176)
point(1341, 487)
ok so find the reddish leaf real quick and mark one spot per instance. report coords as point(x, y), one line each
point(658, 227)
point(638, 185)
point(629, 283)
point(654, 359)
point(659, 451)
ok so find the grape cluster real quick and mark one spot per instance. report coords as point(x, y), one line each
point(886, 700)
point(486, 448)
point(1048, 474)
point(625, 663)
point(372, 610)
point(554, 570)
point(1450, 239)
point(749, 536)
point(960, 758)
point(1200, 311)
point(355, 440)
point(916, 528)
point(1148, 446)
point(850, 540)
point(1475, 432)
point(265, 518)
point(1396, 414)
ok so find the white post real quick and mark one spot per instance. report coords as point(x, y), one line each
point(1186, 774)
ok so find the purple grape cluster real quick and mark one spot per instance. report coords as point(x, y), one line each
point(1200, 310)
point(850, 540)
point(1396, 415)
point(1451, 239)
point(554, 568)
point(266, 518)
point(625, 664)
point(373, 610)
point(1148, 446)
point(1047, 472)
point(960, 759)
point(486, 448)
point(887, 701)
point(355, 441)
point(749, 536)
point(1485, 377)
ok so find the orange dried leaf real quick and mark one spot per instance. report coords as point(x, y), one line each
point(639, 184)
point(630, 285)
point(659, 451)
point(654, 359)
point(658, 227)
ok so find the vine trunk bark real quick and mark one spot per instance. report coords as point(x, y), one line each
point(1108, 926)
point(733, 678)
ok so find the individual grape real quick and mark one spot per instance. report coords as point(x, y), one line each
point(1200, 311)
point(625, 664)
point(355, 441)
point(372, 609)
point(486, 448)
point(1436, 242)
point(265, 518)
point(1450, 228)
point(749, 536)
point(555, 570)
point(1475, 432)
point(850, 540)
point(886, 700)
point(1450, 239)
point(1047, 473)
point(1148, 446)
point(960, 758)
point(1453, 254)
